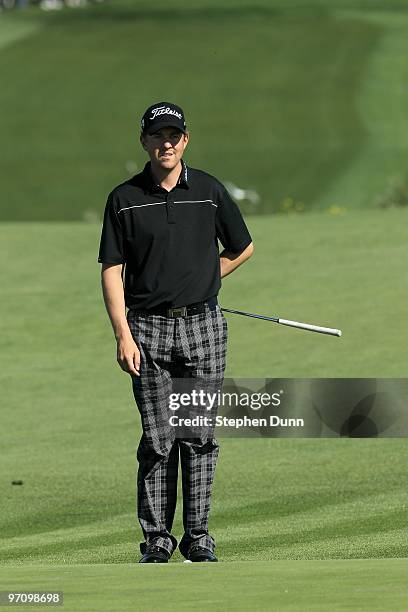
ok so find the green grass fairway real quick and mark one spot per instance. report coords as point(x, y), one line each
point(70, 427)
point(315, 586)
point(301, 101)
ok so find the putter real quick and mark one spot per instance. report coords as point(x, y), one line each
point(307, 326)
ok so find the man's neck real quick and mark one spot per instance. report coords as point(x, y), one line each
point(166, 178)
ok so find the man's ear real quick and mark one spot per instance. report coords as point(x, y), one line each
point(143, 140)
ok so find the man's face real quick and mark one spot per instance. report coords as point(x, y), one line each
point(165, 147)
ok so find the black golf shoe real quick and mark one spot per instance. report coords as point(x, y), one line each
point(155, 554)
point(198, 554)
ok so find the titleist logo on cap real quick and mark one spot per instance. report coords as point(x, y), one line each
point(163, 114)
point(164, 110)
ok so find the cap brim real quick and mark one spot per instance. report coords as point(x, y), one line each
point(159, 125)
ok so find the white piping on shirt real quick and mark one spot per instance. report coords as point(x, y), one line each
point(178, 202)
point(195, 202)
point(140, 205)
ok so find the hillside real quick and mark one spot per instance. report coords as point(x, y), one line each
point(301, 102)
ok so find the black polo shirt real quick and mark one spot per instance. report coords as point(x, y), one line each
point(168, 239)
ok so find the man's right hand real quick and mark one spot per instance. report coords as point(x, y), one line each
point(128, 356)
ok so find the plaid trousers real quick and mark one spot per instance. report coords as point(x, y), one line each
point(170, 349)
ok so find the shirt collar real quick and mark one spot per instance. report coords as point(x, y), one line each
point(183, 178)
point(152, 186)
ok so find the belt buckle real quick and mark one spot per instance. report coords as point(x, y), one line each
point(174, 313)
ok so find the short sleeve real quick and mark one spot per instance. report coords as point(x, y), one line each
point(230, 225)
point(111, 244)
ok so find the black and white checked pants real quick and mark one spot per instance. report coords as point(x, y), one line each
point(171, 349)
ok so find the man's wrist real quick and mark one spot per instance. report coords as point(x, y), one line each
point(122, 332)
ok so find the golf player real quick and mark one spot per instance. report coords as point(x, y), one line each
point(161, 274)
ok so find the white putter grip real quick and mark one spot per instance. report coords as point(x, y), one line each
point(315, 328)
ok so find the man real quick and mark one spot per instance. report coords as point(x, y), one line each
point(162, 226)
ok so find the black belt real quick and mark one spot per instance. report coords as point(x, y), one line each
point(180, 311)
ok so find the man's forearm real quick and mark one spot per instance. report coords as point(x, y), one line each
point(113, 294)
point(230, 261)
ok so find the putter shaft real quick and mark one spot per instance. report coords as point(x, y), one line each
point(306, 326)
